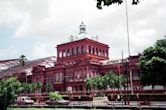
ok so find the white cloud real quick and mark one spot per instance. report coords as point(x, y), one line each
point(9, 53)
point(56, 20)
point(42, 49)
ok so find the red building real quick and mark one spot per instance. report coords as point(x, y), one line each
point(82, 58)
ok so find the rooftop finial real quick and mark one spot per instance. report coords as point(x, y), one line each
point(82, 28)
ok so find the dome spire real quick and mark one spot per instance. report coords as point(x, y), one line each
point(82, 28)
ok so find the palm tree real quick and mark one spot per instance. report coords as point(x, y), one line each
point(111, 78)
point(33, 87)
point(115, 81)
point(122, 81)
point(105, 82)
point(28, 88)
point(49, 87)
point(39, 86)
point(22, 60)
point(89, 84)
point(99, 82)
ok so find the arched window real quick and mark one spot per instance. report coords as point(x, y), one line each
point(100, 53)
point(106, 53)
point(89, 50)
point(64, 53)
point(103, 53)
point(77, 50)
point(60, 54)
point(57, 77)
point(72, 51)
point(82, 49)
point(97, 51)
point(68, 52)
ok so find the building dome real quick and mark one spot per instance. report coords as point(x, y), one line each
point(83, 35)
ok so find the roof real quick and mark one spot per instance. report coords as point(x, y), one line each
point(11, 68)
point(5, 64)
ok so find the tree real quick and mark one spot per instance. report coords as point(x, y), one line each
point(115, 81)
point(88, 84)
point(102, 82)
point(29, 88)
point(9, 88)
point(122, 81)
point(99, 81)
point(39, 86)
point(91, 83)
point(49, 87)
point(153, 64)
point(110, 2)
point(22, 60)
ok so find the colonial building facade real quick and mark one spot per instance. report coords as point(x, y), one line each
point(83, 58)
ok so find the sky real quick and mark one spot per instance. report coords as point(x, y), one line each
point(34, 27)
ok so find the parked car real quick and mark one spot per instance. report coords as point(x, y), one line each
point(57, 102)
point(24, 100)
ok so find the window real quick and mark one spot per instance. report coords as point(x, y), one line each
point(57, 77)
point(103, 53)
point(89, 50)
point(106, 53)
point(97, 51)
point(72, 51)
point(77, 51)
point(68, 52)
point(60, 54)
point(100, 54)
point(60, 77)
point(64, 53)
point(82, 49)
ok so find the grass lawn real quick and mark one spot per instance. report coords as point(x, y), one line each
point(47, 109)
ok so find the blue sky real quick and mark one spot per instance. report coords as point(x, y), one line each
point(13, 47)
point(34, 28)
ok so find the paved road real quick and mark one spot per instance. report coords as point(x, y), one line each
point(101, 104)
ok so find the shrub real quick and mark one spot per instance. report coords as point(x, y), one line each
point(54, 95)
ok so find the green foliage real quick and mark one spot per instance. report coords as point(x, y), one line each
point(39, 86)
point(55, 95)
point(22, 60)
point(32, 87)
point(153, 64)
point(102, 82)
point(49, 87)
point(9, 88)
point(29, 88)
point(110, 2)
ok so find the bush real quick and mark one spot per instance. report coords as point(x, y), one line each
point(54, 95)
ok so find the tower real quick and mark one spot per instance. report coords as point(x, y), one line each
point(82, 28)
point(82, 48)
